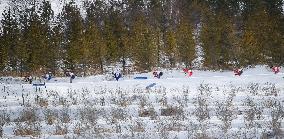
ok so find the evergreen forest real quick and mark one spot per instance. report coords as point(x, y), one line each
point(139, 34)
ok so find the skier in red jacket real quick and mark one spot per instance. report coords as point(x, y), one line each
point(275, 69)
point(187, 71)
point(238, 72)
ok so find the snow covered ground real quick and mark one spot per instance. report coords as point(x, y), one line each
point(207, 105)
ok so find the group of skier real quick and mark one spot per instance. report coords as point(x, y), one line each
point(239, 71)
point(188, 71)
point(156, 74)
point(48, 76)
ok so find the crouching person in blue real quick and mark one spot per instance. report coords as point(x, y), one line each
point(117, 75)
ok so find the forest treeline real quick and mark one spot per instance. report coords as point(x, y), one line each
point(147, 33)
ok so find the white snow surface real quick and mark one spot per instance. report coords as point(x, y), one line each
point(119, 105)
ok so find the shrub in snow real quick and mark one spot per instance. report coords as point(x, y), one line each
point(277, 115)
point(270, 89)
point(253, 88)
point(123, 100)
point(162, 128)
point(72, 96)
point(50, 116)
point(61, 129)
point(42, 102)
point(202, 103)
point(27, 129)
point(204, 90)
point(4, 119)
point(197, 130)
point(143, 101)
point(147, 112)
point(179, 101)
point(139, 126)
point(225, 111)
point(172, 111)
point(202, 111)
point(175, 124)
point(63, 101)
point(252, 112)
point(88, 115)
point(64, 115)
point(78, 129)
point(164, 100)
point(185, 99)
point(28, 123)
point(29, 115)
point(118, 114)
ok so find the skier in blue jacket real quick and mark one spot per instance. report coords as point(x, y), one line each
point(72, 76)
point(47, 76)
point(117, 75)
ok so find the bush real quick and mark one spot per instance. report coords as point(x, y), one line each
point(171, 111)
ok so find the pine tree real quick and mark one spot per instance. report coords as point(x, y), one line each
point(121, 33)
point(51, 47)
point(112, 30)
point(218, 37)
point(156, 20)
point(115, 33)
point(185, 43)
point(94, 45)
point(250, 50)
point(55, 49)
point(143, 45)
point(262, 38)
point(9, 40)
point(35, 40)
point(93, 38)
point(171, 48)
point(73, 32)
point(275, 31)
point(3, 53)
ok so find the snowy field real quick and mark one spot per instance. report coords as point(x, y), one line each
point(207, 105)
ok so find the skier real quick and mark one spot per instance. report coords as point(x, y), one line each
point(190, 72)
point(47, 76)
point(238, 71)
point(275, 69)
point(30, 79)
point(158, 74)
point(187, 71)
point(26, 78)
point(116, 75)
point(72, 76)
